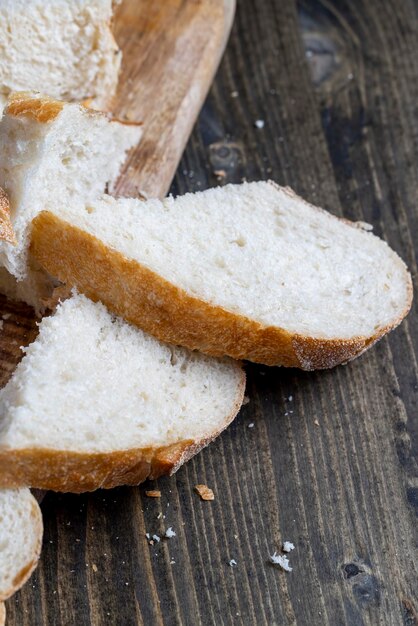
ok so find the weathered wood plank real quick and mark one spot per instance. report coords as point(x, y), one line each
point(334, 469)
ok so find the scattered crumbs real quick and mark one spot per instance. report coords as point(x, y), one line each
point(233, 563)
point(126, 583)
point(316, 422)
point(6, 316)
point(204, 492)
point(172, 562)
point(151, 543)
point(235, 536)
point(156, 538)
point(290, 398)
point(147, 535)
point(159, 516)
point(234, 94)
point(259, 124)
point(251, 425)
point(245, 401)
point(282, 561)
point(169, 533)
point(94, 567)
point(154, 493)
point(288, 546)
point(220, 173)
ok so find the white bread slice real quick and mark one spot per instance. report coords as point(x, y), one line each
point(250, 271)
point(53, 152)
point(21, 532)
point(96, 402)
point(65, 48)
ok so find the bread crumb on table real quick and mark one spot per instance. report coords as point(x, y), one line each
point(288, 546)
point(169, 533)
point(204, 492)
point(281, 560)
point(94, 567)
point(233, 563)
point(153, 493)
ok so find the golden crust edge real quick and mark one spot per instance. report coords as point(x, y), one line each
point(160, 308)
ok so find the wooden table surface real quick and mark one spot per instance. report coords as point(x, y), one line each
point(330, 463)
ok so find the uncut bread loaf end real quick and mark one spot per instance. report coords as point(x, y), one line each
point(51, 154)
point(251, 271)
point(95, 402)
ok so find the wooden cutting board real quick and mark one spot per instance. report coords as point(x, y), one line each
point(171, 50)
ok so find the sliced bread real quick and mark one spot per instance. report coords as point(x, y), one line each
point(51, 154)
point(250, 271)
point(96, 402)
point(67, 49)
point(21, 531)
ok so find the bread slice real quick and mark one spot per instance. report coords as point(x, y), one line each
point(96, 403)
point(21, 531)
point(52, 153)
point(65, 48)
point(250, 271)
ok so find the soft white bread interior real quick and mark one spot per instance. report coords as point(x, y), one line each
point(54, 154)
point(65, 48)
point(251, 271)
point(20, 539)
point(96, 402)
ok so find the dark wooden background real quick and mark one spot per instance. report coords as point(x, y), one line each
point(335, 469)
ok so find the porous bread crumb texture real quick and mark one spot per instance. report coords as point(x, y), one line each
point(67, 49)
point(66, 160)
point(251, 271)
point(91, 383)
point(20, 538)
point(259, 251)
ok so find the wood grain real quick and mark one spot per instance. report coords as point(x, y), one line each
point(171, 50)
point(334, 469)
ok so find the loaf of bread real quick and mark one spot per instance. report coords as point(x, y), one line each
point(65, 48)
point(52, 154)
point(96, 402)
point(250, 271)
point(21, 531)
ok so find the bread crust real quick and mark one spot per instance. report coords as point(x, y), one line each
point(169, 313)
point(6, 226)
point(78, 472)
point(43, 109)
point(38, 108)
point(24, 574)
